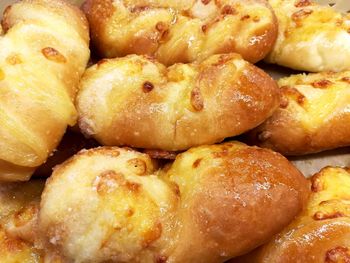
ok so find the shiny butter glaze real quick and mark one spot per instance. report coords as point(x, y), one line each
point(116, 204)
point(138, 102)
point(321, 233)
point(182, 31)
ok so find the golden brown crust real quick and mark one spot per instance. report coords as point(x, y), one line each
point(19, 203)
point(321, 233)
point(182, 31)
point(312, 117)
point(233, 191)
point(205, 207)
point(44, 52)
point(133, 100)
point(311, 37)
point(159, 154)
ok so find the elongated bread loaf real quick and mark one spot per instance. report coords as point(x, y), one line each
point(182, 30)
point(138, 102)
point(215, 202)
point(313, 115)
point(311, 37)
point(321, 233)
point(43, 53)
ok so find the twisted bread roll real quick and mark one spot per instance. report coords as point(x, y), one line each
point(19, 204)
point(19, 240)
point(213, 203)
point(321, 233)
point(311, 37)
point(313, 115)
point(182, 31)
point(138, 102)
point(42, 56)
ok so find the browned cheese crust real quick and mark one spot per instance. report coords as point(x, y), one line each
point(214, 202)
point(321, 233)
point(182, 31)
point(311, 36)
point(43, 53)
point(19, 205)
point(138, 102)
point(313, 116)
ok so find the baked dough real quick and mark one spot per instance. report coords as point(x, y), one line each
point(19, 205)
point(43, 53)
point(213, 203)
point(182, 31)
point(138, 102)
point(311, 37)
point(313, 116)
point(321, 233)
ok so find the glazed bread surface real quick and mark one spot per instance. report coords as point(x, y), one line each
point(43, 53)
point(311, 37)
point(182, 31)
point(138, 102)
point(313, 115)
point(321, 233)
point(215, 202)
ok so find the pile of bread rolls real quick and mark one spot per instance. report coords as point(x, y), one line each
point(132, 159)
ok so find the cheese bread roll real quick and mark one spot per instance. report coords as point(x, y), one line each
point(19, 204)
point(311, 37)
point(182, 31)
point(43, 53)
point(313, 115)
point(321, 233)
point(214, 202)
point(138, 102)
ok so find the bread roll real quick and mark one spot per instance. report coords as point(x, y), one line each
point(313, 115)
point(43, 53)
point(19, 204)
point(321, 233)
point(138, 102)
point(182, 31)
point(214, 202)
point(311, 37)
